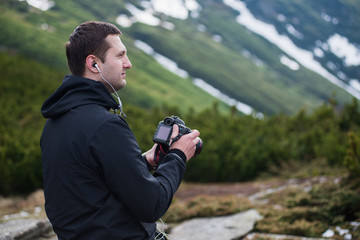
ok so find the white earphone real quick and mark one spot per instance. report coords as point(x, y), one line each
point(96, 66)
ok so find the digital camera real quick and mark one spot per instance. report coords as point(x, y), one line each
point(163, 133)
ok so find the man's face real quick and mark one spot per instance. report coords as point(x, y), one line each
point(116, 63)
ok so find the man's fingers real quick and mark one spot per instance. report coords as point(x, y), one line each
point(195, 133)
point(175, 131)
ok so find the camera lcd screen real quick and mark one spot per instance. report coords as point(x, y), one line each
point(163, 132)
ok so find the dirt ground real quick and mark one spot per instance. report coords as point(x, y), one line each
point(32, 206)
point(186, 191)
point(189, 190)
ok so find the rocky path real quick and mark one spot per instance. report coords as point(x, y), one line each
point(28, 227)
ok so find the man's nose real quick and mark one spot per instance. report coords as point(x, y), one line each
point(127, 63)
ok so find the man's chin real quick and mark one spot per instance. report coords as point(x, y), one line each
point(122, 84)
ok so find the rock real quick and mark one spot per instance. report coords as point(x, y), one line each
point(267, 236)
point(24, 229)
point(217, 228)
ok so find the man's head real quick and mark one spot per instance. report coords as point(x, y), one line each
point(88, 38)
point(98, 42)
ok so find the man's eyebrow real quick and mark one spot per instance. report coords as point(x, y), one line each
point(122, 52)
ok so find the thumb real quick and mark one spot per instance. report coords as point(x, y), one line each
point(175, 132)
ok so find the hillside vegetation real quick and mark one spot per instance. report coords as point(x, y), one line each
point(236, 148)
point(269, 88)
point(150, 84)
point(23, 87)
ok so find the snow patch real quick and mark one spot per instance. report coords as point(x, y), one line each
point(342, 48)
point(170, 65)
point(328, 233)
point(355, 84)
point(217, 38)
point(177, 9)
point(281, 18)
point(145, 16)
point(201, 28)
point(144, 47)
point(242, 107)
point(269, 32)
point(174, 8)
point(161, 59)
point(318, 52)
point(43, 5)
point(124, 21)
point(290, 28)
point(289, 63)
point(328, 18)
point(246, 53)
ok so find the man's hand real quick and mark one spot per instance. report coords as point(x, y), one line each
point(150, 155)
point(187, 143)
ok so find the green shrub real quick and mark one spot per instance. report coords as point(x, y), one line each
point(310, 213)
point(352, 158)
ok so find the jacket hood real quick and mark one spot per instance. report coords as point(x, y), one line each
point(77, 91)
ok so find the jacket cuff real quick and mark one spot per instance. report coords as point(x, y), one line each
point(180, 153)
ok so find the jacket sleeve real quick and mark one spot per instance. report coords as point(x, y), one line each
point(146, 196)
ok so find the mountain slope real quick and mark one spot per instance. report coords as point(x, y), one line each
point(149, 83)
point(268, 87)
point(210, 45)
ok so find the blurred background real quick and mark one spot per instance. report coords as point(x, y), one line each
point(273, 86)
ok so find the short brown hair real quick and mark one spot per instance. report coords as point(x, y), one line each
point(88, 38)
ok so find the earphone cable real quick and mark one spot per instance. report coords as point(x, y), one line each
point(115, 94)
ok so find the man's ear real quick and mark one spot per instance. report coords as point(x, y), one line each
point(90, 63)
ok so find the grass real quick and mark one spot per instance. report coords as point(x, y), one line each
point(307, 208)
point(301, 169)
point(310, 213)
point(206, 206)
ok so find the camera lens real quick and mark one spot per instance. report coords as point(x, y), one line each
point(168, 121)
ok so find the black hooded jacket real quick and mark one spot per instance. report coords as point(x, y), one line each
point(96, 183)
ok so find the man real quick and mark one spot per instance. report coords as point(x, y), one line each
point(96, 181)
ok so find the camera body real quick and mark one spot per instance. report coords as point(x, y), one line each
point(164, 129)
